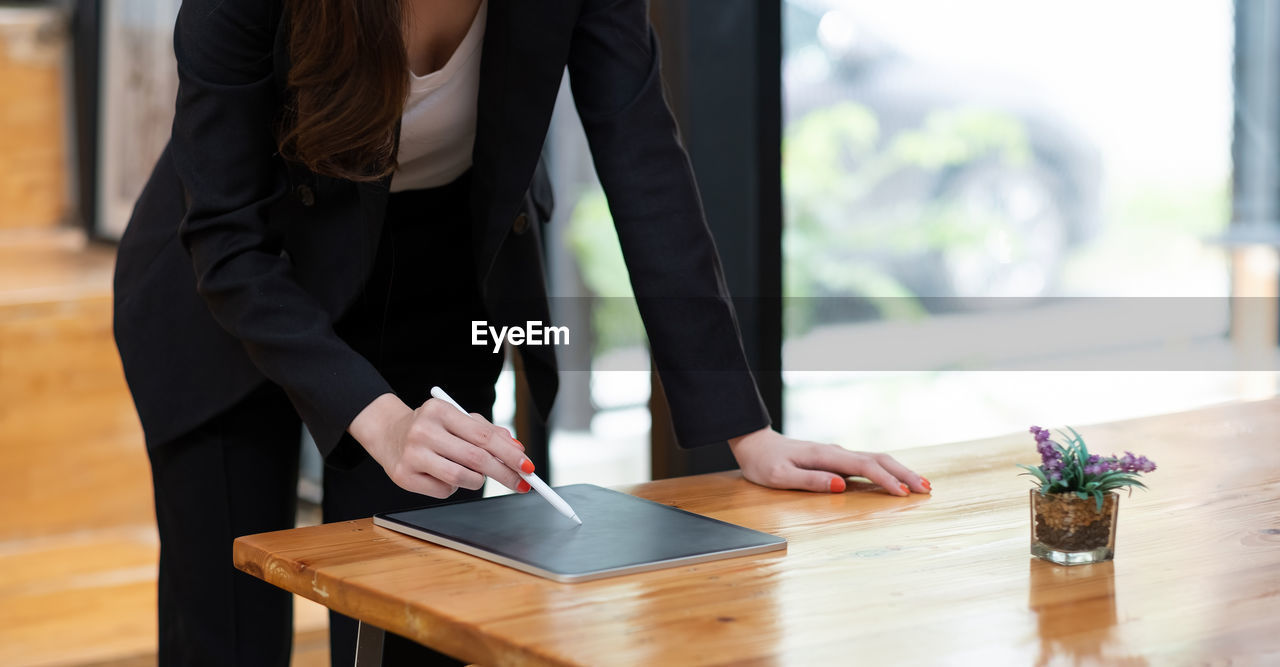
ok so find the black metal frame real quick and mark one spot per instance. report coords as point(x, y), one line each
point(722, 68)
point(86, 31)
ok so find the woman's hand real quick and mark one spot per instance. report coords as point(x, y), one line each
point(769, 458)
point(435, 450)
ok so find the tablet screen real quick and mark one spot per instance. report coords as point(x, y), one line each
point(620, 533)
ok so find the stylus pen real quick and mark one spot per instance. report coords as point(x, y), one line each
point(534, 481)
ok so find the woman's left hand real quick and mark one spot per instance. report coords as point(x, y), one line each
point(771, 459)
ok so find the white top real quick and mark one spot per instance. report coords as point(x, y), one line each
point(438, 128)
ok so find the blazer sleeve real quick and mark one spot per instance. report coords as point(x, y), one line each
point(670, 255)
point(225, 154)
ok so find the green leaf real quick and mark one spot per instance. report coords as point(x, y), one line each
point(1098, 497)
point(1081, 495)
point(1074, 440)
point(1115, 480)
point(1077, 474)
point(1083, 447)
point(1039, 484)
point(1068, 445)
point(1035, 471)
point(1115, 477)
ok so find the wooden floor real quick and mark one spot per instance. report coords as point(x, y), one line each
point(78, 545)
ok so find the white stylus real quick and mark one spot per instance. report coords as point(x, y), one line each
point(534, 482)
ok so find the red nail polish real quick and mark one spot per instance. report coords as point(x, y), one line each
point(518, 443)
point(925, 481)
point(527, 467)
point(837, 485)
point(523, 487)
point(904, 488)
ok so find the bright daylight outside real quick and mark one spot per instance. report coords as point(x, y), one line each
point(990, 207)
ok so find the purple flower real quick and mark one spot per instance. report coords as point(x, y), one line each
point(1127, 463)
point(1055, 459)
point(1101, 465)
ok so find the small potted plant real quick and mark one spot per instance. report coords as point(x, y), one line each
point(1073, 512)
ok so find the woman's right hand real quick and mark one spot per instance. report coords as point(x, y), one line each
point(435, 450)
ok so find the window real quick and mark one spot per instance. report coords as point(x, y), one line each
point(985, 201)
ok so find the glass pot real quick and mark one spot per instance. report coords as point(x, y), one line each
point(1069, 530)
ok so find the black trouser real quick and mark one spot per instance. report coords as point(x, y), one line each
point(237, 473)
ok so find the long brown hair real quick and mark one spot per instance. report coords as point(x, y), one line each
point(348, 80)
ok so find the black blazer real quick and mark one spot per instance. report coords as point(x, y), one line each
point(236, 263)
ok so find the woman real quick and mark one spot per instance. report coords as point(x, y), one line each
point(346, 189)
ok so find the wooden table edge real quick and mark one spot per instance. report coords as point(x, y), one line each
point(436, 630)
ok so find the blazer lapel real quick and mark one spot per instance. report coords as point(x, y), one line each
point(522, 62)
point(373, 201)
point(373, 204)
point(486, 153)
point(280, 53)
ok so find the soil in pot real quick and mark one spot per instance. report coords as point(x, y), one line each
point(1067, 523)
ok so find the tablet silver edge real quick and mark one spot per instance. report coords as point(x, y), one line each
point(578, 578)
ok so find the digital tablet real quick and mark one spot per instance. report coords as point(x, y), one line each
point(620, 534)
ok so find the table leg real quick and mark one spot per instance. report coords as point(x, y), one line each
point(369, 645)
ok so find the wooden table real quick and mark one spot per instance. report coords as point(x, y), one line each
point(868, 576)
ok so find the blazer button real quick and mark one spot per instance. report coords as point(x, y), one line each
point(305, 195)
point(521, 225)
